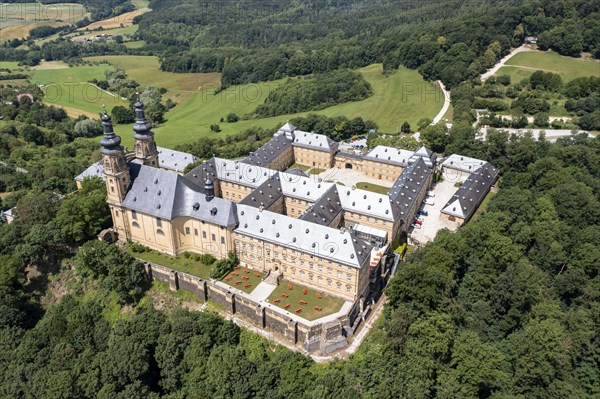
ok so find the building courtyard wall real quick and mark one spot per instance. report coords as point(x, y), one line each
point(327, 336)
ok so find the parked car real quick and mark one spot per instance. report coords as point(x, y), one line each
point(423, 213)
point(430, 194)
point(428, 201)
point(418, 222)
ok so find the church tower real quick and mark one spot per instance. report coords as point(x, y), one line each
point(116, 170)
point(145, 147)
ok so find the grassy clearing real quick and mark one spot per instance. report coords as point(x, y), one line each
point(146, 71)
point(135, 44)
point(12, 65)
point(328, 304)
point(372, 187)
point(402, 96)
point(69, 88)
point(522, 65)
point(243, 279)
point(180, 263)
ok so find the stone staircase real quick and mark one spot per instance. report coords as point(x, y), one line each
point(273, 277)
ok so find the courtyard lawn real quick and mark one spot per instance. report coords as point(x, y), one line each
point(243, 279)
point(328, 304)
point(301, 167)
point(316, 171)
point(522, 65)
point(372, 187)
point(397, 97)
point(180, 263)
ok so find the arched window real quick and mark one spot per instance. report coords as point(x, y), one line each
point(160, 232)
point(135, 224)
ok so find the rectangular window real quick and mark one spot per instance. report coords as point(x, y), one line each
point(222, 240)
point(187, 230)
point(196, 232)
point(117, 213)
point(158, 222)
point(349, 277)
point(204, 234)
point(213, 237)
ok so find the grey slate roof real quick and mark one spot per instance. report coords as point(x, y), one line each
point(167, 195)
point(297, 172)
point(315, 141)
point(174, 160)
point(94, 170)
point(198, 175)
point(266, 194)
point(390, 155)
point(469, 196)
point(168, 159)
point(301, 235)
point(408, 186)
point(326, 209)
point(462, 163)
point(269, 151)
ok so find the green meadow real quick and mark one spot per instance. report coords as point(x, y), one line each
point(522, 65)
point(69, 89)
point(401, 96)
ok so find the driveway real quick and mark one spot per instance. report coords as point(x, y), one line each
point(500, 64)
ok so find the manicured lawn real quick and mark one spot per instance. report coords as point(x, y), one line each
point(298, 166)
point(522, 65)
point(316, 171)
point(180, 263)
point(327, 303)
point(373, 188)
point(243, 279)
point(401, 96)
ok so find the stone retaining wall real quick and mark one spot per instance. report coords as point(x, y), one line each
point(324, 337)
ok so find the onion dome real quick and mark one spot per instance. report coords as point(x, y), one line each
point(110, 142)
point(141, 127)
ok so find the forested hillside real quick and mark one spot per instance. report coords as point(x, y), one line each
point(452, 40)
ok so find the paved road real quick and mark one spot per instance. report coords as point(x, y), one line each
point(500, 64)
point(446, 105)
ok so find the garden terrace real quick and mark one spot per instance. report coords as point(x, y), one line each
point(243, 279)
point(311, 304)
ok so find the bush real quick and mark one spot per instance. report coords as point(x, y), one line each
point(215, 128)
point(223, 267)
point(137, 248)
point(207, 259)
point(232, 118)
